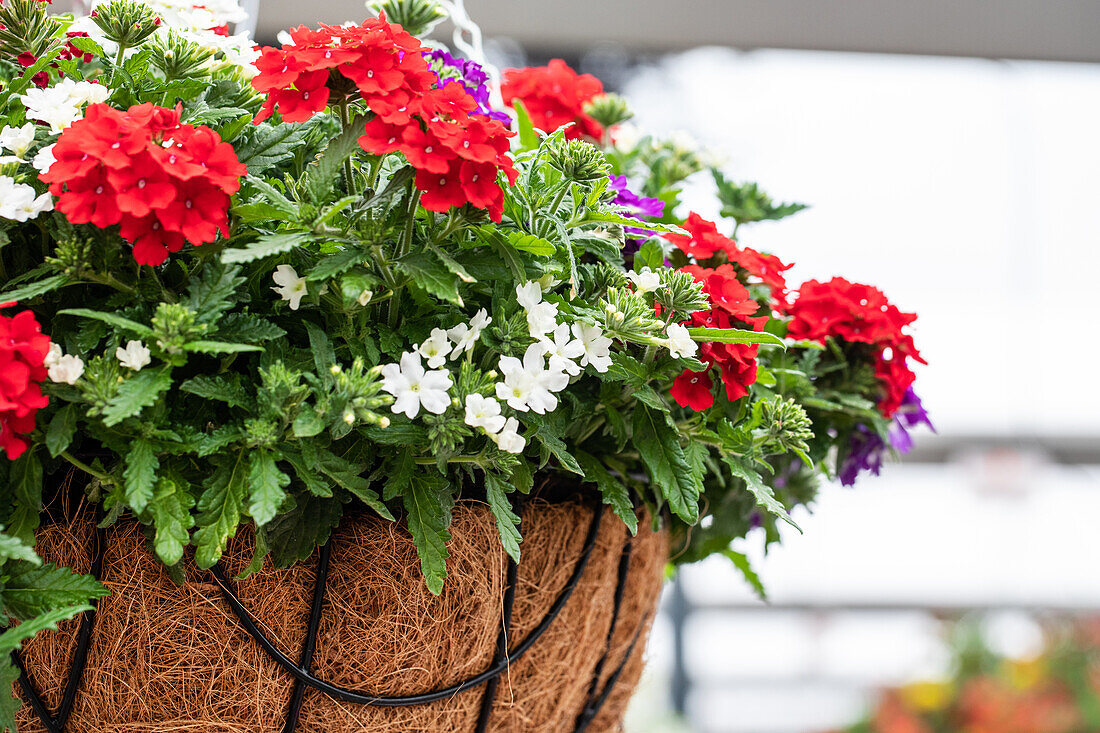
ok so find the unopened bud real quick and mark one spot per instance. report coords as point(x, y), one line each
point(384, 422)
point(349, 417)
point(335, 369)
point(365, 297)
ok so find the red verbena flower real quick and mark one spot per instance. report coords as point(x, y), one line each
point(431, 125)
point(23, 349)
point(162, 181)
point(693, 389)
point(861, 314)
point(554, 95)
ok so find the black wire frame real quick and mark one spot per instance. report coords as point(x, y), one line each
point(304, 678)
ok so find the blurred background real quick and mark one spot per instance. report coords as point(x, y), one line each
point(948, 149)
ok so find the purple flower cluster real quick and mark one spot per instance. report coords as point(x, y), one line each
point(637, 206)
point(867, 449)
point(471, 76)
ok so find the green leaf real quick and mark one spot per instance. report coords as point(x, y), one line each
point(337, 263)
point(293, 536)
point(219, 347)
point(427, 271)
point(559, 450)
point(247, 328)
point(522, 478)
point(9, 703)
point(136, 393)
point(658, 443)
point(528, 138)
point(32, 590)
point(649, 255)
point(271, 145)
point(41, 287)
point(734, 336)
point(266, 485)
point(507, 520)
point(220, 509)
point(452, 264)
point(275, 198)
point(428, 501)
point(324, 355)
point(140, 474)
point(112, 319)
point(308, 423)
point(62, 429)
point(321, 176)
point(223, 388)
point(608, 217)
point(741, 562)
point(615, 493)
point(765, 497)
point(170, 510)
point(531, 243)
point(266, 246)
point(25, 482)
point(11, 639)
point(215, 291)
point(349, 477)
point(13, 548)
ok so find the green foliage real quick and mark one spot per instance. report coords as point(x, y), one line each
point(746, 203)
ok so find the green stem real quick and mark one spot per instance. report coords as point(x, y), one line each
point(110, 281)
point(457, 459)
point(406, 245)
point(349, 170)
point(557, 200)
point(105, 478)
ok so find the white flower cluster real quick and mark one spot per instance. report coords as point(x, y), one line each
point(20, 202)
point(65, 368)
point(62, 104)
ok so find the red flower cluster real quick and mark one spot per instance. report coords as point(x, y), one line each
point(68, 52)
point(733, 307)
point(861, 314)
point(706, 242)
point(163, 181)
point(23, 349)
point(457, 155)
point(554, 95)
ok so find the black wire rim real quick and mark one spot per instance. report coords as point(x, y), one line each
point(304, 678)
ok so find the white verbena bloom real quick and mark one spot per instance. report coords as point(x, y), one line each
point(413, 387)
point(17, 140)
point(529, 385)
point(291, 288)
point(563, 351)
point(20, 202)
point(66, 369)
point(484, 412)
point(435, 348)
point(626, 136)
point(466, 335)
point(509, 439)
point(135, 356)
point(61, 105)
point(680, 343)
point(645, 281)
point(365, 297)
point(597, 347)
point(53, 355)
point(43, 160)
point(542, 317)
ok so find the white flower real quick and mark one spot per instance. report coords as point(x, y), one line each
point(626, 136)
point(17, 140)
point(435, 348)
point(364, 297)
point(529, 385)
point(509, 439)
point(466, 335)
point(60, 105)
point(484, 412)
point(53, 356)
point(597, 347)
point(542, 317)
point(291, 288)
point(135, 356)
point(645, 281)
point(680, 343)
point(563, 351)
point(412, 387)
point(67, 369)
point(43, 159)
point(19, 202)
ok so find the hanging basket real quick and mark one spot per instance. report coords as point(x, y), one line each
point(351, 639)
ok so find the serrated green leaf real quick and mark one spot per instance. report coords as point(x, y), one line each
point(741, 562)
point(528, 139)
point(220, 509)
point(428, 272)
point(247, 328)
point(223, 388)
point(324, 355)
point(336, 264)
point(266, 246)
point(614, 492)
point(13, 548)
point(62, 429)
point(608, 217)
point(25, 481)
point(658, 443)
point(214, 292)
point(36, 589)
point(11, 639)
point(765, 497)
point(33, 290)
point(140, 474)
point(320, 176)
point(558, 449)
point(123, 324)
point(293, 536)
point(531, 243)
point(270, 145)
point(170, 511)
point(734, 336)
point(219, 347)
point(9, 703)
point(266, 487)
point(427, 499)
point(496, 490)
point(308, 423)
point(136, 393)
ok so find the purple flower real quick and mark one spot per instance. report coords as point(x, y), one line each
point(472, 77)
point(867, 449)
point(637, 206)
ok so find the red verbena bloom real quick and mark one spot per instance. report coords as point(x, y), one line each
point(163, 182)
point(23, 349)
point(554, 95)
point(705, 241)
point(693, 389)
point(431, 125)
point(861, 314)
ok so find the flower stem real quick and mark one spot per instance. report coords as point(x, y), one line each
point(349, 170)
point(405, 246)
point(105, 478)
